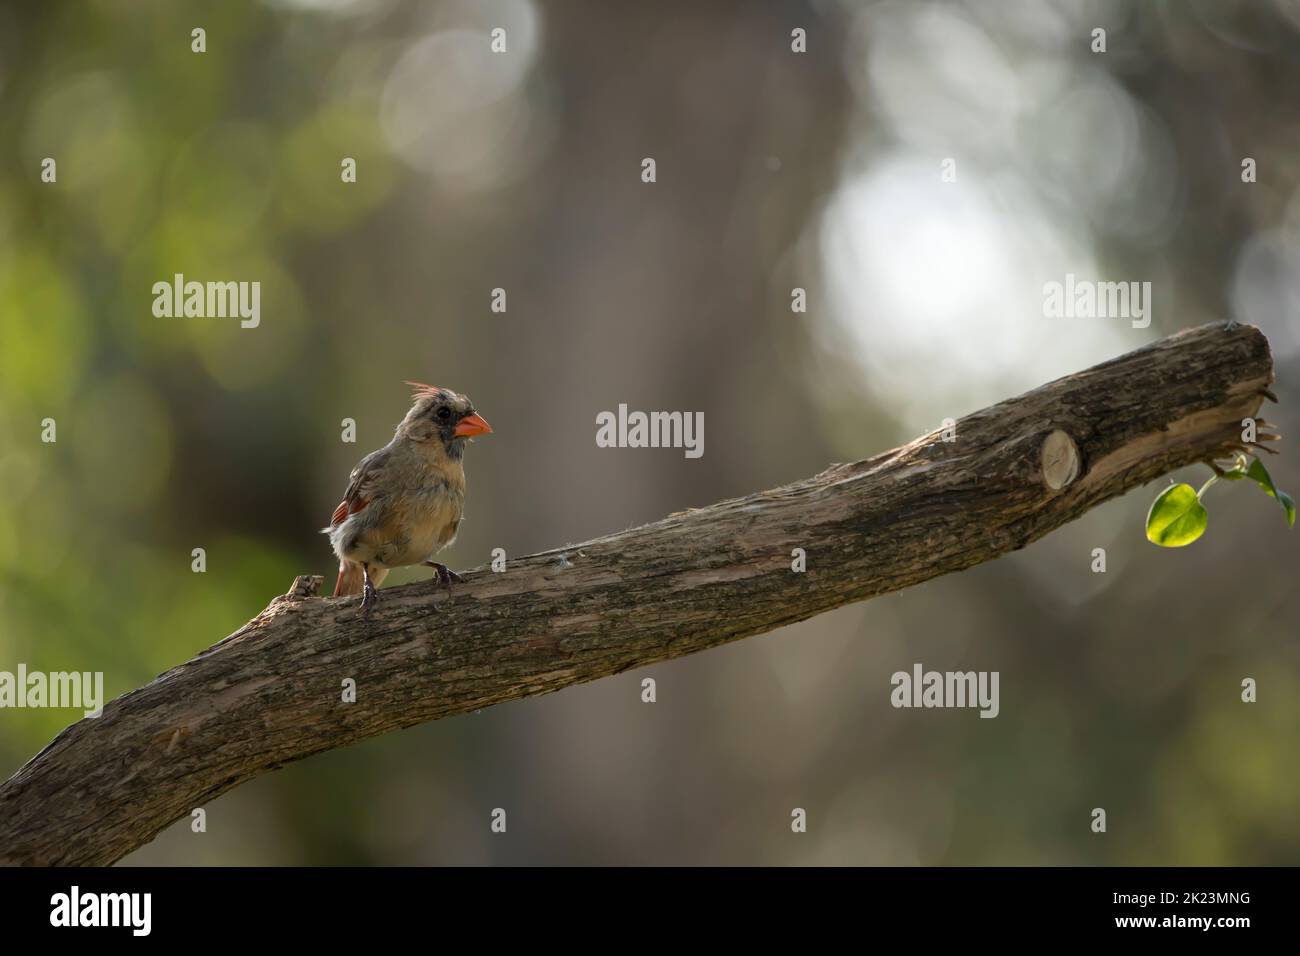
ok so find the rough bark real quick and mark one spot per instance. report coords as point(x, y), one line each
point(270, 693)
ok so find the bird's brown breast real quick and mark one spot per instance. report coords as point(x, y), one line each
point(412, 527)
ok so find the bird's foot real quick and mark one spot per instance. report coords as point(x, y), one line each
point(443, 575)
point(369, 595)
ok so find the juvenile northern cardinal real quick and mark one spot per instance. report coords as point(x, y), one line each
point(404, 502)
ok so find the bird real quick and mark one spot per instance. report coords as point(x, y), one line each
point(404, 502)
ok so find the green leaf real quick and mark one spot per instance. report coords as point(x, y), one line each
point(1260, 474)
point(1288, 505)
point(1176, 518)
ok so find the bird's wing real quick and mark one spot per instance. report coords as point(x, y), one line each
point(365, 478)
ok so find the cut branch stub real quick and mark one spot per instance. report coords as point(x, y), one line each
point(1060, 460)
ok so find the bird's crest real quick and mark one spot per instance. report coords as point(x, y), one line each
point(422, 391)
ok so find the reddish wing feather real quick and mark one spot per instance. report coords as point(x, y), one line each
point(342, 512)
point(361, 486)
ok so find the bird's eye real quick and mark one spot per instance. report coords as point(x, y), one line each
point(444, 413)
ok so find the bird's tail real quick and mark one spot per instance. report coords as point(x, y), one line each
point(351, 579)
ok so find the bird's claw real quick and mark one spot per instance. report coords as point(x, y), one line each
point(369, 594)
point(443, 575)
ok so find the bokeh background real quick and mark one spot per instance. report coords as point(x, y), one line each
point(776, 170)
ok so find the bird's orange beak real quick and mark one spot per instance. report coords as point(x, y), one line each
point(472, 425)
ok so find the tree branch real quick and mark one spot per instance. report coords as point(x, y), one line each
point(271, 692)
